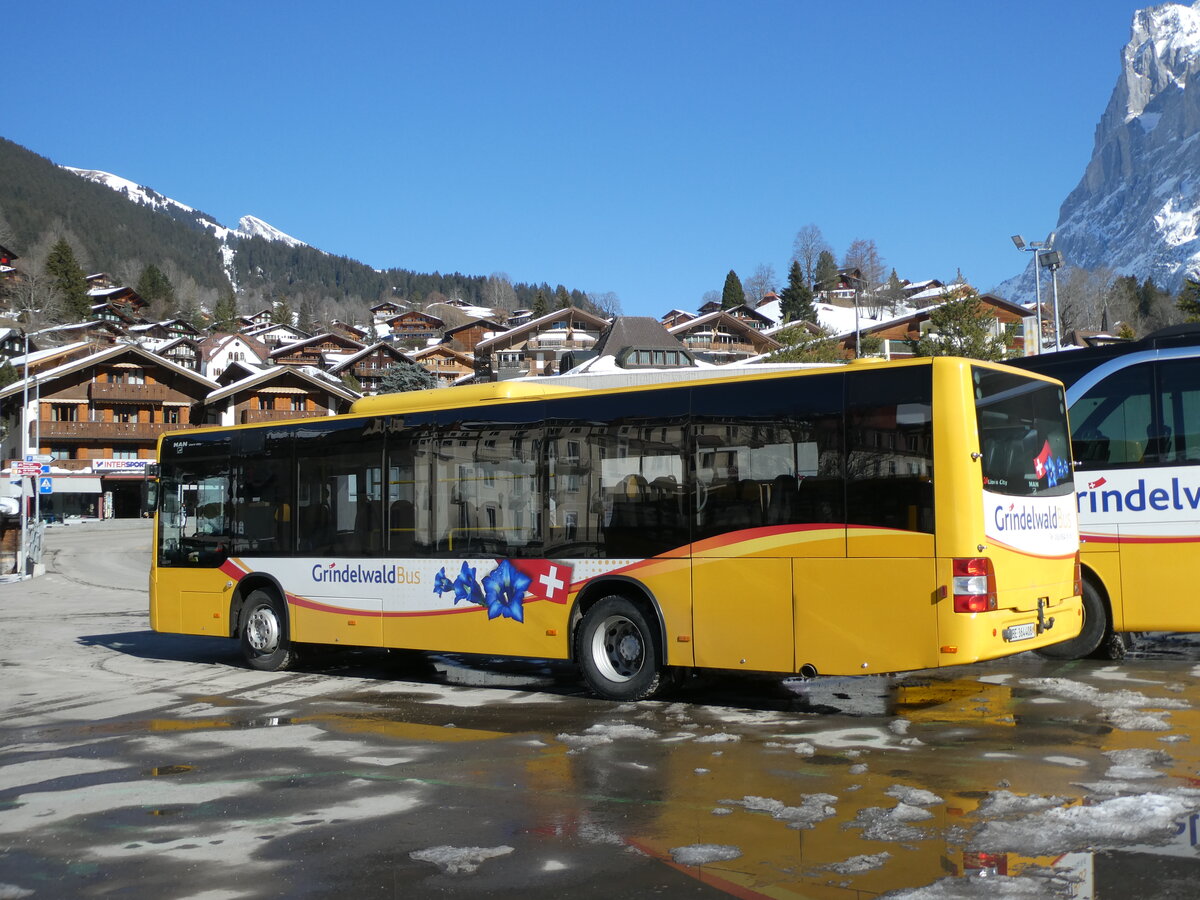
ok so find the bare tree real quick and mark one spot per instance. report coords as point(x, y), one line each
point(863, 255)
point(761, 283)
point(1083, 297)
point(498, 292)
point(35, 300)
point(806, 249)
point(710, 297)
point(607, 304)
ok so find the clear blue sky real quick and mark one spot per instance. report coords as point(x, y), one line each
point(644, 148)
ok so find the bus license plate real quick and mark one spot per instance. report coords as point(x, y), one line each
point(1020, 632)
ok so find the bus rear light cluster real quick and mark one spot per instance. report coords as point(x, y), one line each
point(1077, 587)
point(974, 584)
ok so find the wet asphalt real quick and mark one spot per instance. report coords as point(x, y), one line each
point(137, 764)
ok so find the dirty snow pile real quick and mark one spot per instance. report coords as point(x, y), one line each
point(813, 808)
point(1146, 819)
point(703, 854)
point(459, 860)
point(1124, 709)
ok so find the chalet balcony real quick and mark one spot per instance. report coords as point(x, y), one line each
point(252, 416)
point(105, 431)
point(129, 393)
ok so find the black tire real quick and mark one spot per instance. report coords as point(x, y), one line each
point(617, 652)
point(1096, 630)
point(264, 633)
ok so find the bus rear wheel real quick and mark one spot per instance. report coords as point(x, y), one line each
point(264, 638)
point(1096, 628)
point(617, 652)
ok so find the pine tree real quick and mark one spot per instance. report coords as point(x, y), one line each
point(796, 301)
point(539, 305)
point(963, 327)
point(733, 294)
point(281, 313)
point(8, 373)
point(1188, 301)
point(154, 287)
point(225, 312)
point(893, 291)
point(826, 274)
point(69, 281)
point(402, 376)
point(561, 297)
point(802, 346)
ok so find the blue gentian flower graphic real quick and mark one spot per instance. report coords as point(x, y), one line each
point(441, 583)
point(466, 587)
point(504, 588)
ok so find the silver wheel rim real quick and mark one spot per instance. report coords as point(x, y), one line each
point(262, 630)
point(618, 649)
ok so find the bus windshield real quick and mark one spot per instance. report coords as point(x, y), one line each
point(1022, 435)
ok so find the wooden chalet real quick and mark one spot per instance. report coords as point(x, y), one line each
point(720, 338)
point(276, 334)
point(467, 337)
point(183, 351)
point(102, 413)
point(368, 365)
point(314, 351)
point(677, 317)
point(537, 347)
point(751, 317)
point(414, 325)
point(275, 394)
point(448, 364)
point(896, 333)
point(7, 258)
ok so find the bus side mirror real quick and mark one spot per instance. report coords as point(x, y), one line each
point(150, 495)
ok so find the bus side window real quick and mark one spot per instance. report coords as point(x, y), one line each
point(1179, 384)
point(1113, 421)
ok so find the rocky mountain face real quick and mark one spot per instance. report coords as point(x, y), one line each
point(1137, 208)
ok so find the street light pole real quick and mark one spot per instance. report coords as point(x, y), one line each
point(1052, 260)
point(24, 451)
point(1035, 247)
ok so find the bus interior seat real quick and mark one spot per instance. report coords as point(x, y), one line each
point(1158, 444)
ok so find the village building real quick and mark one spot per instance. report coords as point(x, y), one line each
point(250, 396)
point(368, 365)
point(1013, 322)
point(414, 328)
point(275, 334)
point(222, 350)
point(466, 337)
point(316, 351)
point(99, 417)
point(720, 338)
point(537, 347)
point(446, 363)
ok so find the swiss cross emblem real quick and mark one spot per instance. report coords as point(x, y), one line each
point(548, 579)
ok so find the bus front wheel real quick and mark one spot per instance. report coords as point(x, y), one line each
point(265, 643)
point(617, 652)
point(1096, 627)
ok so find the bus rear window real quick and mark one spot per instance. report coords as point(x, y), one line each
point(1022, 434)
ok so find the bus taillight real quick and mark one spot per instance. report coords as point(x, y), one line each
point(1077, 587)
point(974, 584)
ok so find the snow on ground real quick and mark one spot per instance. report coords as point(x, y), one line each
point(459, 860)
point(1145, 819)
point(857, 864)
point(600, 734)
point(701, 854)
point(813, 808)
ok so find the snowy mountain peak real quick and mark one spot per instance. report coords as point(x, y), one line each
point(1136, 211)
point(251, 226)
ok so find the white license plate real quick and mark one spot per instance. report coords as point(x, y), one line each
point(1020, 632)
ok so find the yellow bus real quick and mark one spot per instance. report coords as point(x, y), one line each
point(1135, 415)
point(838, 520)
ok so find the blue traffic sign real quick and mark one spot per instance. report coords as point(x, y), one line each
point(45, 485)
